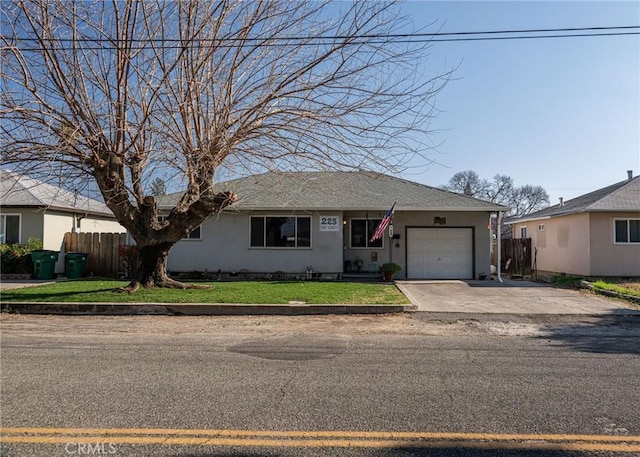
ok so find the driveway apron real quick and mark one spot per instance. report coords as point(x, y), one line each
point(509, 297)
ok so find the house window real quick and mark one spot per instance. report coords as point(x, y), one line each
point(541, 227)
point(523, 232)
point(627, 230)
point(280, 232)
point(195, 234)
point(9, 228)
point(361, 232)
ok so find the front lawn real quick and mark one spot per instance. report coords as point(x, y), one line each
point(258, 292)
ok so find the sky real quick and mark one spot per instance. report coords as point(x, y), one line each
point(561, 113)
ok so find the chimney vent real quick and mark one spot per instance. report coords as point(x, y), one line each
point(630, 174)
point(561, 201)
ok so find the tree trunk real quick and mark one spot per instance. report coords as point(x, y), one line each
point(152, 269)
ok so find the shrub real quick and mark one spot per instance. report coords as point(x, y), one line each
point(390, 267)
point(16, 258)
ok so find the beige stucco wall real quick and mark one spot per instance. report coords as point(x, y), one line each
point(94, 224)
point(57, 224)
point(563, 246)
point(608, 258)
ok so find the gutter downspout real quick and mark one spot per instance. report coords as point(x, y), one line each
point(499, 236)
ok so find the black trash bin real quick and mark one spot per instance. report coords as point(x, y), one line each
point(75, 264)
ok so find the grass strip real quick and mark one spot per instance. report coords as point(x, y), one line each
point(602, 285)
point(258, 292)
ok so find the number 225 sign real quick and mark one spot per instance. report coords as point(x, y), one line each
point(329, 223)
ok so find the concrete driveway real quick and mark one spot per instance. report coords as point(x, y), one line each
point(510, 297)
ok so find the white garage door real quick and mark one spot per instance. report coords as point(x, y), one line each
point(440, 253)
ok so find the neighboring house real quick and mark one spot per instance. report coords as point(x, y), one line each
point(597, 234)
point(33, 209)
point(289, 222)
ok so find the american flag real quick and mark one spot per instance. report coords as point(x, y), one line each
point(383, 224)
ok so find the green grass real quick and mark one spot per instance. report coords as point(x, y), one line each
point(603, 285)
point(259, 292)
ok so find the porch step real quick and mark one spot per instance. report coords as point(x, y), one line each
point(362, 276)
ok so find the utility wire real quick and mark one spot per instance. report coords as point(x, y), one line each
point(339, 37)
point(173, 43)
point(573, 35)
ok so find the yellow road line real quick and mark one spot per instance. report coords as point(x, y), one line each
point(314, 443)
point(317, 434)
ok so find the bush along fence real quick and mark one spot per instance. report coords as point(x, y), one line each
point(104, 251)
point(15, 259)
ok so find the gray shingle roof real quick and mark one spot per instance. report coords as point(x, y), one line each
point(621, 196)
point(20, 190)
point(340, 191)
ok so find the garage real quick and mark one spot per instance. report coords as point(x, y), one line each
point(440, 253)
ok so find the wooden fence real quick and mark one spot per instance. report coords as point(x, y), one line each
point(516, 256)
point(103, 250)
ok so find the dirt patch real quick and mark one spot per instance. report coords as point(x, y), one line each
point(240, 327)
point(399, 324)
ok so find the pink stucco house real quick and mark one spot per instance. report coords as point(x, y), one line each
point(596, 234)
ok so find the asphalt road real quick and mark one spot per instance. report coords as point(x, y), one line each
point(322, 385)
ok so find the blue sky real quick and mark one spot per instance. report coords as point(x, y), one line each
point(560, 113)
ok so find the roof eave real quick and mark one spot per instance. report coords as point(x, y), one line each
point(369, 208)
point(63, 209)
point(570, 213)
point(529, 219)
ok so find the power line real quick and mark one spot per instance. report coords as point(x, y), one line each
point(573, 35)
point(573, 29)
point(175, 43)
point(338, 37)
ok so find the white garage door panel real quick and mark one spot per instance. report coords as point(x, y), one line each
point(440, 253)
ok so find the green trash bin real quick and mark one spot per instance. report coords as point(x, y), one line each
point(44, 263)
point(75, 263)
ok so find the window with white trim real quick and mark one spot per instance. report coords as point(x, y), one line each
point(280, 231)
point(626, 231)
point(9, 228)
point(361, 231)
point(195, 234)
point(540, 227)
point(523, 232)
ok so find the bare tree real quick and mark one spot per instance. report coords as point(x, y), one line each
point(467, 183)
point(527, 199)
point(501, 190)
point(158, 187)
point(115, 91)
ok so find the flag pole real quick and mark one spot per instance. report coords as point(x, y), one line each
point(391, 233)
point(390, 243)
point(382, 225)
